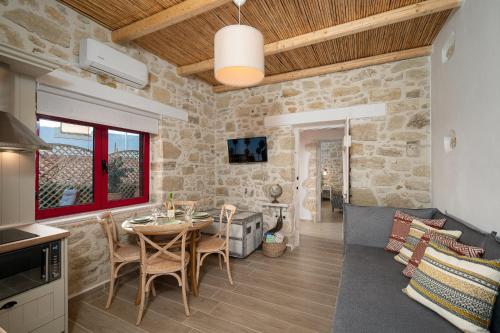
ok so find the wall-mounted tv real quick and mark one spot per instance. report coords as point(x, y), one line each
point(247, 150)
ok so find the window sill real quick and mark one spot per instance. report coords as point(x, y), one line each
point(90, 215)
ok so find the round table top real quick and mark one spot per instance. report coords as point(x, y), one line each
point(197, 223)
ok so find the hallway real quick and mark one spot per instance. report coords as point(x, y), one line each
point(330, 227)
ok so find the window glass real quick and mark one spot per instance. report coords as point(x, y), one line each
point(125, 174)
point(65, 174)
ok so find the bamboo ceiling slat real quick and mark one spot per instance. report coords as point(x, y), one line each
point(191, 41)
point(115, 14)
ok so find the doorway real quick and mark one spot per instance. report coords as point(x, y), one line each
point(320, 180)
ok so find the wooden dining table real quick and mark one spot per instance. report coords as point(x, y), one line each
point(194, 232)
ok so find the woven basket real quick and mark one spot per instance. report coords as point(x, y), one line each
point(274, 250)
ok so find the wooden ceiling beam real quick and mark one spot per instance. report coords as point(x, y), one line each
point(167, 17)
point(338, 67)
point(402, 14)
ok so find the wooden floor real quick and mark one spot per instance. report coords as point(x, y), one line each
point(293, 293)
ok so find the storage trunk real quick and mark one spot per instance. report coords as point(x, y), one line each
point(246, 231)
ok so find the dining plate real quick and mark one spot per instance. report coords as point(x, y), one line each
point(200, 215)
point(143, 219)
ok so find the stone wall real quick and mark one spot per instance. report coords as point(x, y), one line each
point(331, 165)
point(182, 155)
point(389, 157)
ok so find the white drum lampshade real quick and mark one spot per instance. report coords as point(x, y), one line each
point(239, 56)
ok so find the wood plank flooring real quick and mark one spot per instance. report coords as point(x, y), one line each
point(293, 293)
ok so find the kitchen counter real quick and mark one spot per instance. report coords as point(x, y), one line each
point(45, 234)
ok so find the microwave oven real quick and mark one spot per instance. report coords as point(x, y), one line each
point(28, 268)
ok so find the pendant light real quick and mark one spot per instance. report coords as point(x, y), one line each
point(239, 54)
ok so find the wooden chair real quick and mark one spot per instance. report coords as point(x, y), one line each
point(119, 254)
point(160, 261)
point(218, 243)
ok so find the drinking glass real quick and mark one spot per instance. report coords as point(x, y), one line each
point(189, 211)
point(155, 212)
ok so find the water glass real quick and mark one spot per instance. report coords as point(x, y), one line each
point(189, 211)
point(155, 212)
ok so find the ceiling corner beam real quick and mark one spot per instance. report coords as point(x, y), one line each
point(402, 14)
point(167, 17)
point(338, 67)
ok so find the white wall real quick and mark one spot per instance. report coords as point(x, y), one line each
point(466, 98)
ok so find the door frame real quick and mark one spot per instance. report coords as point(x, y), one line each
point(296, 201)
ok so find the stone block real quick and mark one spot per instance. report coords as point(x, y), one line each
point(170, 151)
point(422, 171)
point(39, 25)
point(173, 183)
point(365, 132)
point(391, 152)
point(419, 120)
point(363, 197)
point(345, 91)
point(385, 95)
point(386, 179)
point(417, 185)
point(397, 200)
point(367, 163)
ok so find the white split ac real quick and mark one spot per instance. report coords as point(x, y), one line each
point(102, 59)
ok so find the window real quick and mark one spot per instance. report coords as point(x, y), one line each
point(90, 167)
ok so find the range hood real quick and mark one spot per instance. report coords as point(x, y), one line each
point(14, 135)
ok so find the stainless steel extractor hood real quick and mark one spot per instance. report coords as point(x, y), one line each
point(14, 135)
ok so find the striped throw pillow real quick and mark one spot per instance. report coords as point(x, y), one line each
point(417, 230)
point(450, 243)
point(460, 289)
point(401, 227)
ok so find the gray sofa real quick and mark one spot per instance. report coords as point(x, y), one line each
point(370, 297)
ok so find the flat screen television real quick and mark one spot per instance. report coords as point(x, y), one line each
point(247, 150)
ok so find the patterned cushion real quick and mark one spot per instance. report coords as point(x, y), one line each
point(460, 289)
point(417, 230)
point(449, 242)
point(401, 227)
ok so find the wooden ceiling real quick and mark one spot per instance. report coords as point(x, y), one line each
point(191, 40)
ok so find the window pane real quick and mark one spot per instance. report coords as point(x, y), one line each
point(124, 165)
point(66, 173)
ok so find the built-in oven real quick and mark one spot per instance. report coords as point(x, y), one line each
point(28, 268)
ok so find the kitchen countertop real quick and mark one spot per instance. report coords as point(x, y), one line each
point(45, 234)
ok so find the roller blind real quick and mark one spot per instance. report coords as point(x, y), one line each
point(63, 95)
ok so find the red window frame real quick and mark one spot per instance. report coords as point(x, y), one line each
point(100, 176)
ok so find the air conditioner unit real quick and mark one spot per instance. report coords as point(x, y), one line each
point(102, 59)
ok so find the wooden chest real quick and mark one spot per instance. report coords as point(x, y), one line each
point(246, 231)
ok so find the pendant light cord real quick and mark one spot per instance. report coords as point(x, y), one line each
point(239, 14)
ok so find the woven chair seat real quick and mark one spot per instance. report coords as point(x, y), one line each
point(164, 264)
point(211, 244)
point(128, 252)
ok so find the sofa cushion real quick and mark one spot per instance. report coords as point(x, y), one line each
point(417, 231)
point(401, 228)
point(461, 289)
point(450, 243)
point(371, 226)
point(492, 251)
point(470, 235)
point(370, 297)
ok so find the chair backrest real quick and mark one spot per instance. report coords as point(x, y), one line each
point(179, 231)
point(108, 225)
point(227, 212)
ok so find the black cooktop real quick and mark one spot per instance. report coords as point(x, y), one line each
point(14, 235)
